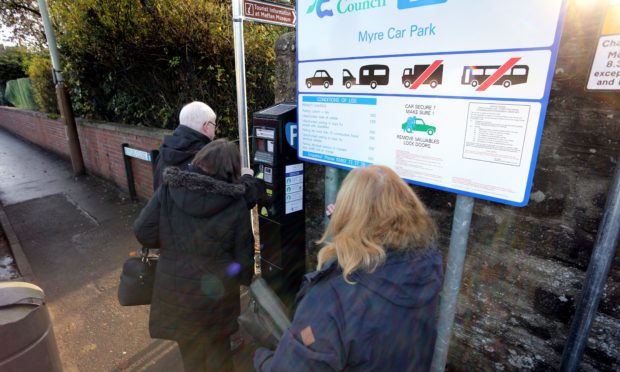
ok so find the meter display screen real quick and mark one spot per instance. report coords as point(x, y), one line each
point(264, 145)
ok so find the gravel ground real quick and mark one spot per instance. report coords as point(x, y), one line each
point(8, 269)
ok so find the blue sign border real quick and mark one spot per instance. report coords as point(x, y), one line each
point(544, 102)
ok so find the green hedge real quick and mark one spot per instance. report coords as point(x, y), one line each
point(140, 61)
point(43, 90)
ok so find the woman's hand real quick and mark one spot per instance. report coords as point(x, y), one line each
point(329, 210)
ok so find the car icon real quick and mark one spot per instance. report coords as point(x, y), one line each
point(348, 79)
point(415, 124)
point(321, 77)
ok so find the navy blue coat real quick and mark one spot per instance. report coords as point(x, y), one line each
point(178, 150)
point(384, 322)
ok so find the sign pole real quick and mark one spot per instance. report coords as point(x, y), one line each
point(598, 269)
point(242, 114)
point(452, 281)
point(242, 111)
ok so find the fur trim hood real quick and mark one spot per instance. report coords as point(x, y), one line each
point(198, 194)
point(175, 177)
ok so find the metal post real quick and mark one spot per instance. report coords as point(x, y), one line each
point(73, 140)
point(452, 281)
point(242, 111)
point(131, 184)
point(51, 40)
point(598, 269)
point(64, 103)
point(332, 184)
point(154, 156)
point(242, 114)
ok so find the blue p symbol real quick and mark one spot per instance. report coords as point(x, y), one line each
point(406, 4)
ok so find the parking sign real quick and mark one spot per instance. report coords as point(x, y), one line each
point(450, 94)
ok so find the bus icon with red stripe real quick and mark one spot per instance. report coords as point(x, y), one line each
point(476, 75)
point(411, 75)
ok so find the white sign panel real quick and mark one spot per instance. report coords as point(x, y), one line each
point(138, 154)
point(294, 188)
point(605, 70)
point(450, 94)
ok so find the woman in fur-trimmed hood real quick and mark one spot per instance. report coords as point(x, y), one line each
point(200, 221)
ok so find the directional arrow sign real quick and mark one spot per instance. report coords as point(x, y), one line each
point(276, 14)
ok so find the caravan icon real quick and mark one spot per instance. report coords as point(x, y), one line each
point(372, 75)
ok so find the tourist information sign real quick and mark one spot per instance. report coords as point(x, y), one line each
point(450, 94)
point(264, 12)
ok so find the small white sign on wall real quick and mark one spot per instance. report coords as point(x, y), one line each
point(138, 154)
point(605, 70)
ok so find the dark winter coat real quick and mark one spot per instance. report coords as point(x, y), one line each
point(178, 150)
point(384, 322)
point(202, 227)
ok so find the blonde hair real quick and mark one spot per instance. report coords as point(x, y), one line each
point(375, 210)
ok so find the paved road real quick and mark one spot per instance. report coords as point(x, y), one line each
point(76, 233)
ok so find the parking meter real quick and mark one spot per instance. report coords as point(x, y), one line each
point(281, 215)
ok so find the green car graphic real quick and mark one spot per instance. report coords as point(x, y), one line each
point(415, 124)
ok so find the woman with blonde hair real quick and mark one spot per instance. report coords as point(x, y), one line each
point(371, 305)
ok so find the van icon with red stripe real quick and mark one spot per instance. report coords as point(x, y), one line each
point(411, 75)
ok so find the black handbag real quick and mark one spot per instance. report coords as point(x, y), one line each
point(137, 278)
point(265, 318)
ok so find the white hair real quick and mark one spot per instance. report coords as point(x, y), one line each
point(195, 114)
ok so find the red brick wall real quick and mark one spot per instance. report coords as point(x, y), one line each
point(100, 142)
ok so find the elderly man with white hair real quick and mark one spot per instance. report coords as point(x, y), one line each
point(197, 129)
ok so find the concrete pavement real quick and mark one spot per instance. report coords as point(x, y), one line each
point(76, 234)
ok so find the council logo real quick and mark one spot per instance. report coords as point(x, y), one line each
point(320, 12)
point(325, 8)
